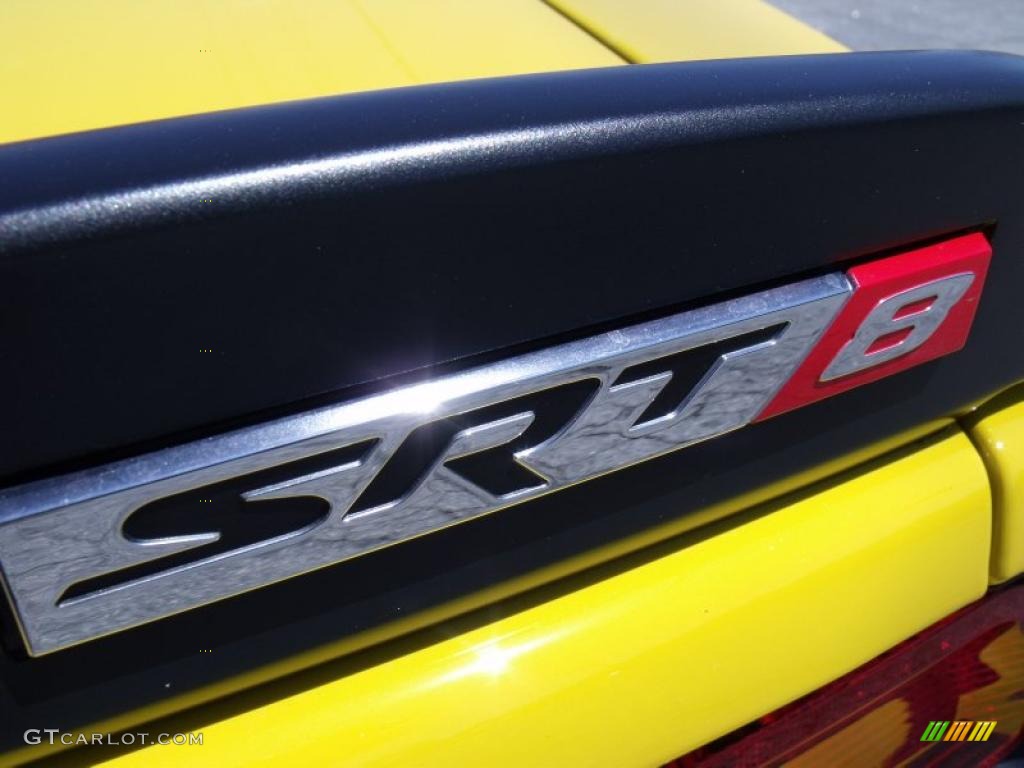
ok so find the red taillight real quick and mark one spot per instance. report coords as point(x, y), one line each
point(930, 701)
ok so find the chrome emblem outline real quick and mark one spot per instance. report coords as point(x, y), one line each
point(62, 531)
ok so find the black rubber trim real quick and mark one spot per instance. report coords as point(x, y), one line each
point(318, 245)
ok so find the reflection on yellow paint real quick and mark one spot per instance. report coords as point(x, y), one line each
point(494, 658)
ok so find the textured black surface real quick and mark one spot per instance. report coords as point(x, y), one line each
point(353, 238)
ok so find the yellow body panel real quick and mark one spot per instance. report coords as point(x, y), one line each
point(641, 664)
point(998, 431)
point(681, 30)
point(564, 570)
point(72, 66)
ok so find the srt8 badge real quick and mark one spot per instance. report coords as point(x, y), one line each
point(77, 564)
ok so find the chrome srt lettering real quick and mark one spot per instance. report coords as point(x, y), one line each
point(61, 532)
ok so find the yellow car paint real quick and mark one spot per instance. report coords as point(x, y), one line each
point(997, 429)
point(111, 62)
point(645, 31)
point(643, 661)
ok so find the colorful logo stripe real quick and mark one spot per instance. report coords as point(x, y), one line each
point(958, 730)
